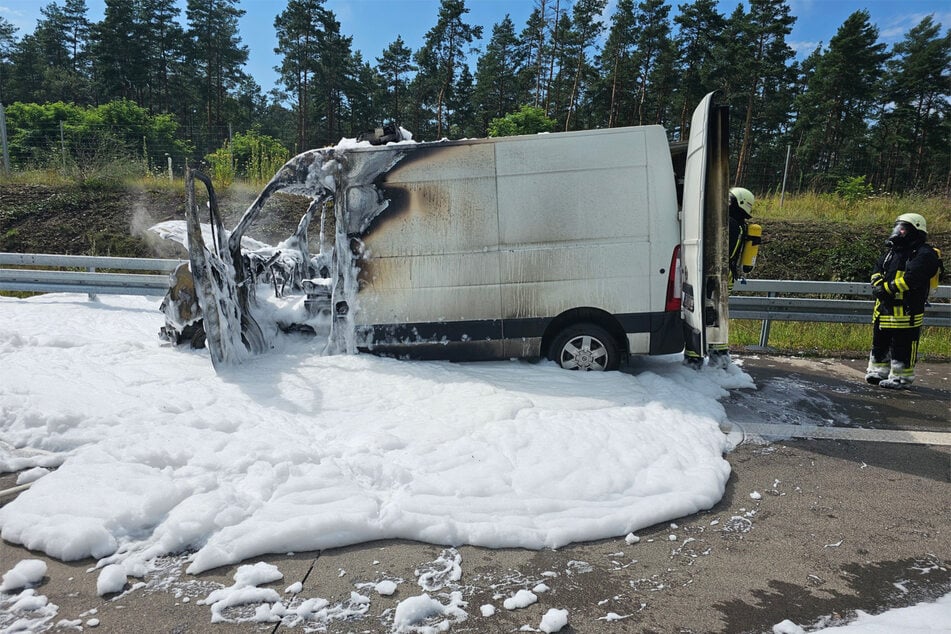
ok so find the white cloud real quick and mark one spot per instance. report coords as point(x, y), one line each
point(804, 48)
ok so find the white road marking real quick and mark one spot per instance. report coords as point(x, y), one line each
point(765, 430)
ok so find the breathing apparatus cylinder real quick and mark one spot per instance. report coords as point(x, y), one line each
point(754, 236)
point(936, 278)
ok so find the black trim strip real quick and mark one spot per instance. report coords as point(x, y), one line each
point(493, 329)
point(435, 331)
point(473, 340)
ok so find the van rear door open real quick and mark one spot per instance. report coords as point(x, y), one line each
point(704, 230)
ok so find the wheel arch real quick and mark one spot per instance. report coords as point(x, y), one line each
point(590, 315)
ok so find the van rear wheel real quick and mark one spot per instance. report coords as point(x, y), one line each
point(585, 347)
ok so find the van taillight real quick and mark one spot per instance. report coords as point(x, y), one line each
point(673, 282)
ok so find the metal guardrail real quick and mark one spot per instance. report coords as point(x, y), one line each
point(774, 306)
point(765, 300)
point(91, 281)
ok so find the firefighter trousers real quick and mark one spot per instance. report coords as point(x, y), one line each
point(896, 345)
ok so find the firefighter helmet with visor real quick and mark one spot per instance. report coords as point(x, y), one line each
point(744, 199)
point(915, 220)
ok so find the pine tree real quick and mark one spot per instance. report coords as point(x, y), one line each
point(536, 51)
point(49, 32)
point(8, 44)
point(914, 135)
point(460, 106)
point(837, 99)
point(585, 18)
point(759, 55)
point(562, 52)
point(443, 55)
point(163, 42)
point(41, 66)
point(300, 27)
point(27, 72)
point(652, 47)
point(612, 94)
point(700, 32)
point(118, 67)
point(216, 53)
point(368, 97)
point(498, 72)
point(393, 66)
point(664, 82)
point(335, 79)
point(76, 35)
point(248, 105)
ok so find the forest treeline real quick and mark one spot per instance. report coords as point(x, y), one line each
point(157, 84)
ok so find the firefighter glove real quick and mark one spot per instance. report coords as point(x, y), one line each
point(881, 292)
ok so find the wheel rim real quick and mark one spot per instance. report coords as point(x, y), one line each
point(584, 352)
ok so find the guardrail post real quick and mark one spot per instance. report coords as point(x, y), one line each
point(92, 296)
point(764, 332)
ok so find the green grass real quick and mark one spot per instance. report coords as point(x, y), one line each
point(835, 340)
point(157, 181)
point(877, 211)
point(49, 178)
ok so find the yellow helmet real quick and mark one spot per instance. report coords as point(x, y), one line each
point(915, 220)
point(744, 199)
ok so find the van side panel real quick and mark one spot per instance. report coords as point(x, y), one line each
point(586, 220)
point(484, 242)
point(551, 188)
point(547, 280)
point(432, 255)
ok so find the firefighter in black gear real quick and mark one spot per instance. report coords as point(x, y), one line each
point(901, 281)
point(741, 210)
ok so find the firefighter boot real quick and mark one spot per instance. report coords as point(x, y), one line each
point(876, 372)
point(693, 360)
point(719, 356)
point(899, 378)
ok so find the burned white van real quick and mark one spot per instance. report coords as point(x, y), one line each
point(582, 247)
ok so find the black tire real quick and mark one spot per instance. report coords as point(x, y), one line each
point(585, 347)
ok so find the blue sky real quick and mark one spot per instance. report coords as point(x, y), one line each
point(374, 24)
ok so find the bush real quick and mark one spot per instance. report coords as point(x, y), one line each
point(253, 156)
point(101, 143)
point(528, 120)
point(853, 190)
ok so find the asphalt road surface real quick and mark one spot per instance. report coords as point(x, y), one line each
point(840, 500)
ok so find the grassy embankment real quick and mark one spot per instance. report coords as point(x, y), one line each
point(821, 237)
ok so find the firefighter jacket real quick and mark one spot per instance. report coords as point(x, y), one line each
point(901, 282)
